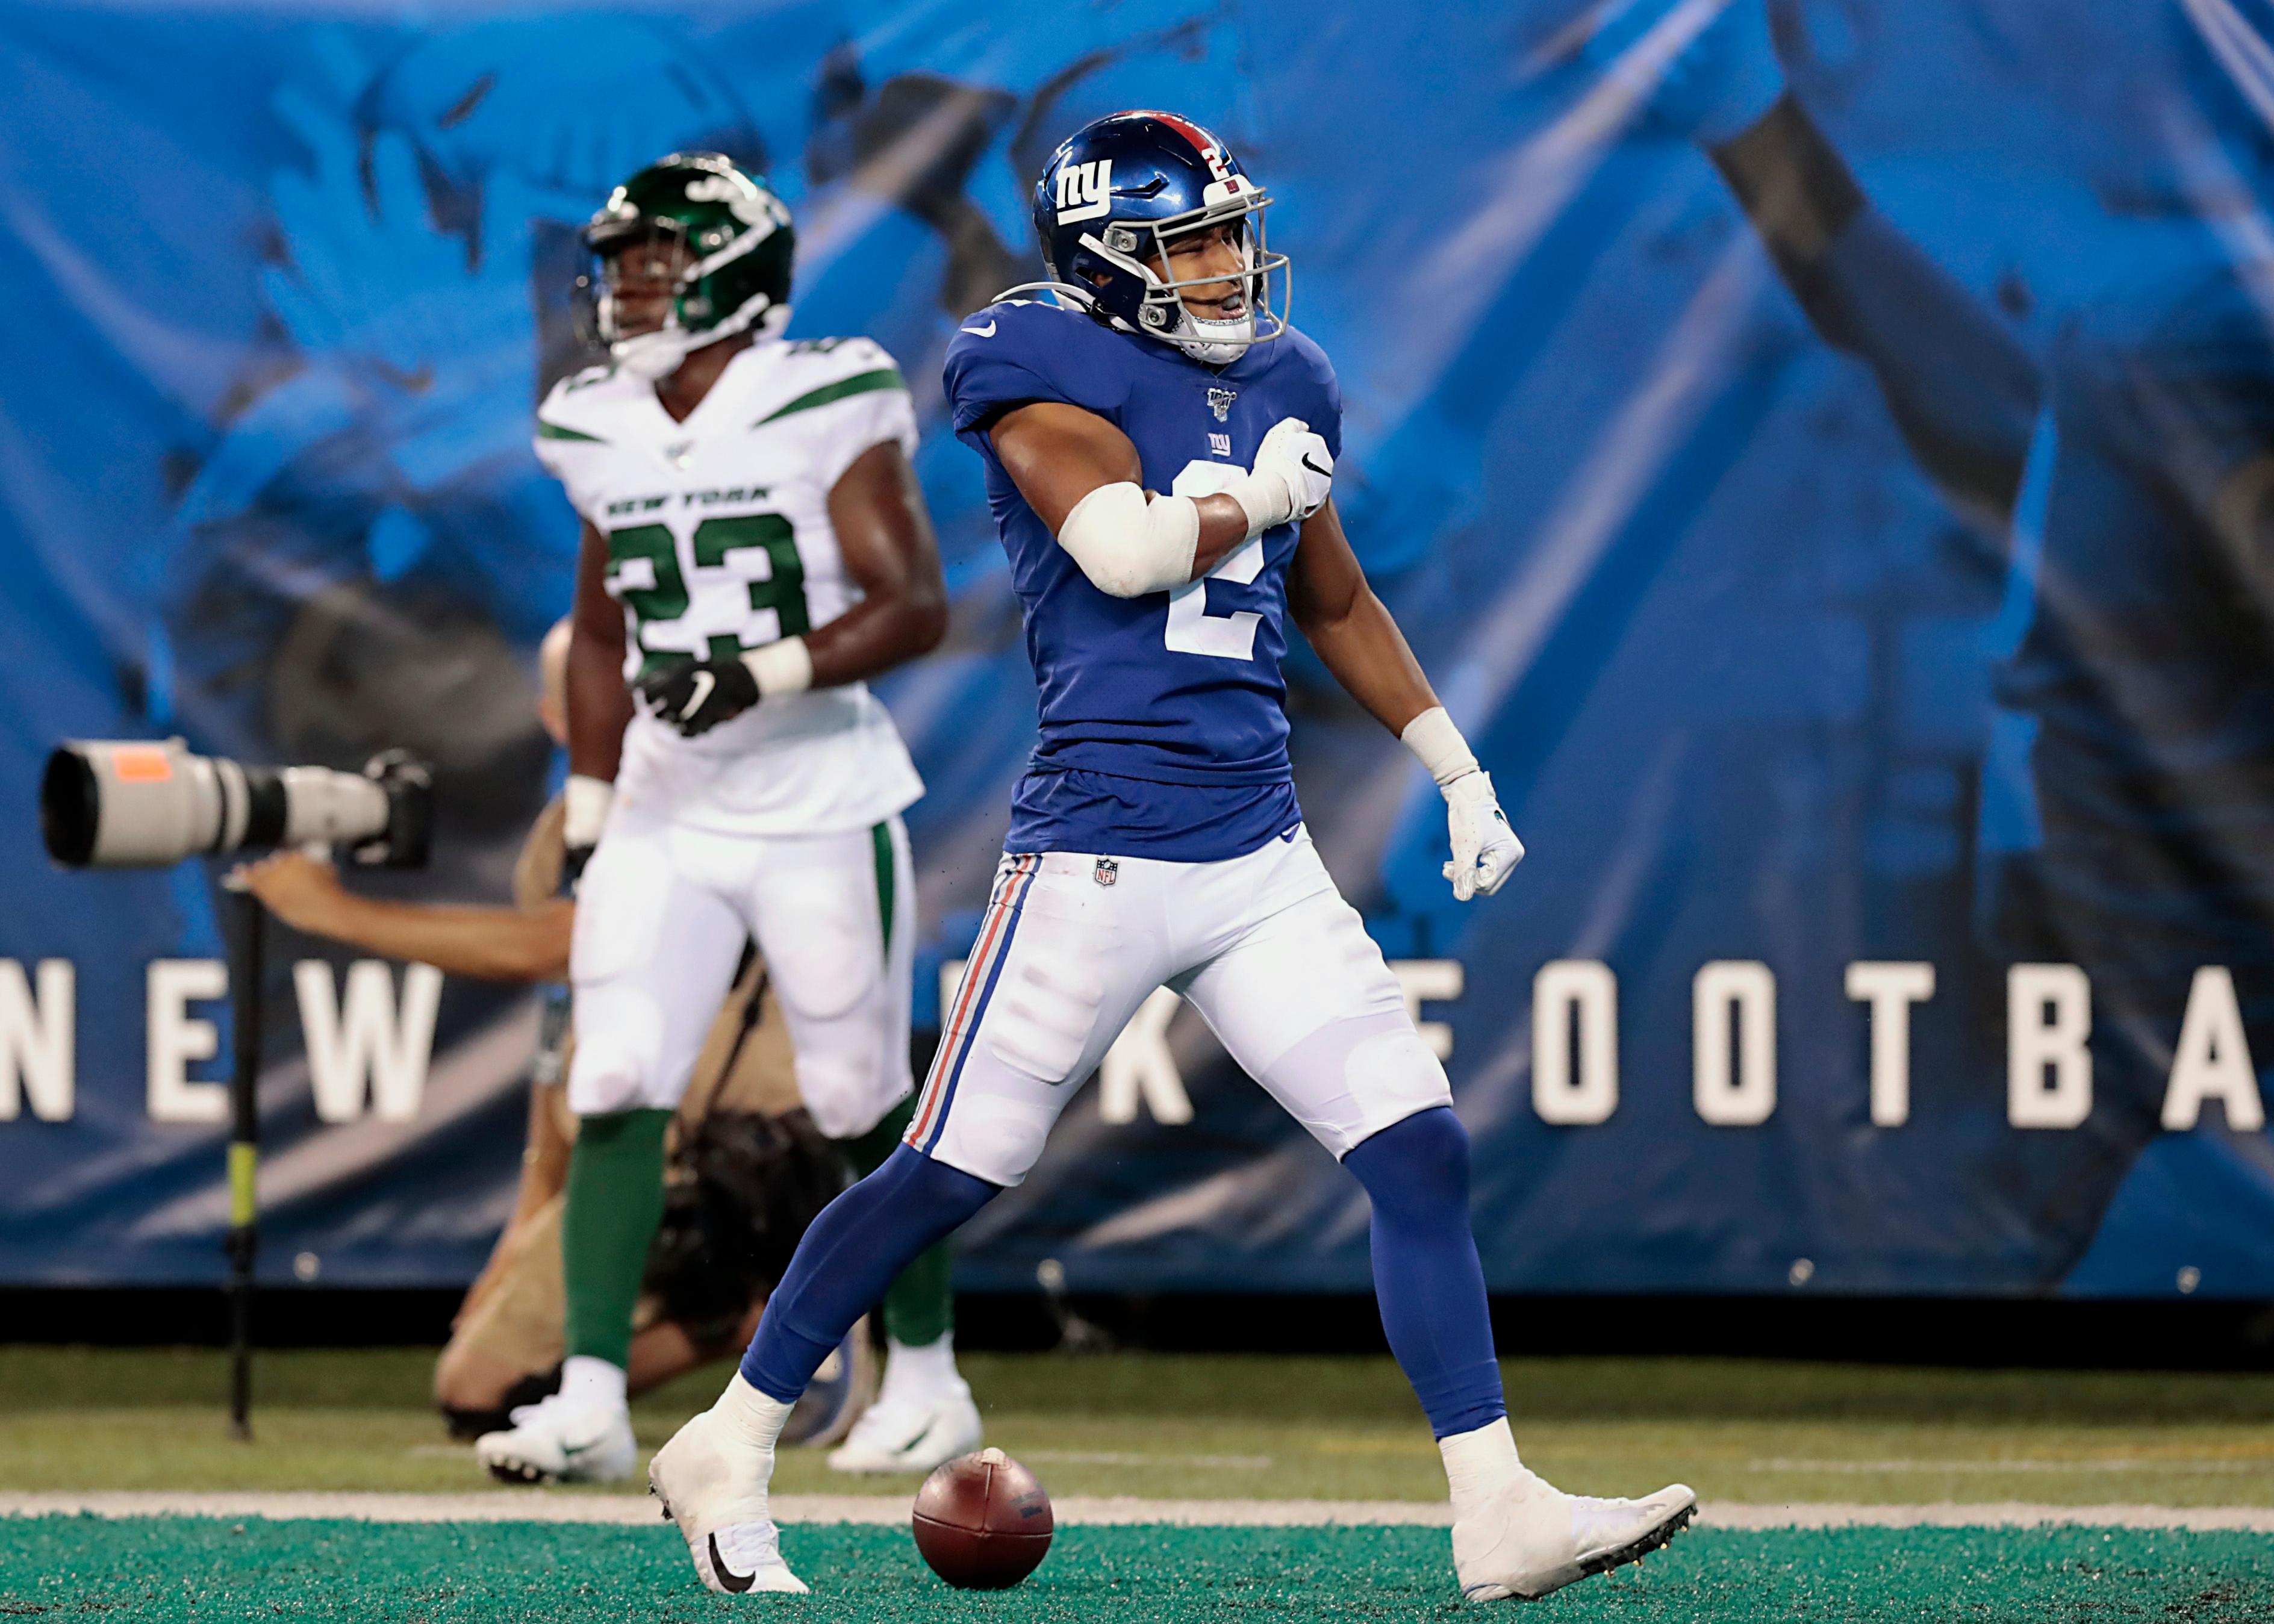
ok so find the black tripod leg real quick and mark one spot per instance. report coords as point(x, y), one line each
point(243, 1157)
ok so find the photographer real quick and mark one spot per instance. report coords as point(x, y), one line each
point(749, 1167)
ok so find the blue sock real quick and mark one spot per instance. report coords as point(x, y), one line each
point(1427, 1278)
point(849, 1256)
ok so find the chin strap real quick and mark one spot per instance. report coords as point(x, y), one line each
point(637, 354)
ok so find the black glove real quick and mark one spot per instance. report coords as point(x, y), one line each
point(573, 860)
point(698, 695)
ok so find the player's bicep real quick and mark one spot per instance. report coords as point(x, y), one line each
point(1324, 581)
point(1058, 454)
point(884, 530)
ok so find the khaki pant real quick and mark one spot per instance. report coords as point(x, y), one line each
point(511, 1327)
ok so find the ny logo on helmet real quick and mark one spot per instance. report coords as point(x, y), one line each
point(1085, 191)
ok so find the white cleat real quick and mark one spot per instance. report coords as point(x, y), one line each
point(911, 1435)
point(555, 1441)
point(713, 1486)
point(1531, 1537)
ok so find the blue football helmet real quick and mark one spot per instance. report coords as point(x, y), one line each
point(1110, 202)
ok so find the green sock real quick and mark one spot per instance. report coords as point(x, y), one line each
point(615, 1200)
point(920, 1307)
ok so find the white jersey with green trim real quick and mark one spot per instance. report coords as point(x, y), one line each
point(720, 542)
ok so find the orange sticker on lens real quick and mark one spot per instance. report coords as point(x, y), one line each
point(141, 763)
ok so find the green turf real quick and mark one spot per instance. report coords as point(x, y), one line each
point(1224, 1427)
point(1264, 1387)
point(195, 1569)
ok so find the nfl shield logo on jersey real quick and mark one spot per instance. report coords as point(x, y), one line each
point(1107, 872)
point(1220, 403)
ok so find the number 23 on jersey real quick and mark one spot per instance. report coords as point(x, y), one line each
point(721, 614)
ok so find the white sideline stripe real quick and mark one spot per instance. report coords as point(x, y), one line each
point(540, 1505)
point(1987, 1514)
point(2258, 1462)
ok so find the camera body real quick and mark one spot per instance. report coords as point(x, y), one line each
point(149, 803)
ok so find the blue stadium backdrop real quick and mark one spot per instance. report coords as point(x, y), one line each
point(1822, 454)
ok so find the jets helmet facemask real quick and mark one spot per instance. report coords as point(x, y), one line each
point(1112, 199)
point(727, 240)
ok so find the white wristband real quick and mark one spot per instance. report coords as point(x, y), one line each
point(785, 667)
point(1266, 500)
point(1439, 746)
point(584, 808)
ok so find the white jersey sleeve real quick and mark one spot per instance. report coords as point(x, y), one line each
point(854, 399)
point(572, 436)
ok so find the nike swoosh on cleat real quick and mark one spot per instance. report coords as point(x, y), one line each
point(727, 1577)
point(986, 332)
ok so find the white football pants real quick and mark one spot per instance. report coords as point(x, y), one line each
point(1263, 946)
point(661, 915)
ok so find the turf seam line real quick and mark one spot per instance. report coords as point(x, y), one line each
point(540, 1505)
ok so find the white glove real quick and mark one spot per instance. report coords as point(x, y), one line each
point(1294, 472)
point(1485, 850)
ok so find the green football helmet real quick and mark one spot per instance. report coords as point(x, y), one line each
point(728, 240)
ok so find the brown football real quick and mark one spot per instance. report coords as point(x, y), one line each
point(982, 1522)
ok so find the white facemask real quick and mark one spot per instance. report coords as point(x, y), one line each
point(1215, 342)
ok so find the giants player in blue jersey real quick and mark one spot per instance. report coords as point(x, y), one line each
point(1159, 448)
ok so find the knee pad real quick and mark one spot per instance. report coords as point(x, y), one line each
point(605, 1077)
point(1396, 1068)
point(994, 1139)
point(845, 1090)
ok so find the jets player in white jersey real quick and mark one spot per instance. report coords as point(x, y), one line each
point(1159, 448)
point(755, 545)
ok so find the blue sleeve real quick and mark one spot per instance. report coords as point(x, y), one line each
point(1331, 430)
point(1315, 394)
point(1011, 355)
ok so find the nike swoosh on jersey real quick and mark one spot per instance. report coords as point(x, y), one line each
point(727, 1576)
point(986, 332)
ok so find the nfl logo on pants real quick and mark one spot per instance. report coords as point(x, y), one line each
point(1107, 871)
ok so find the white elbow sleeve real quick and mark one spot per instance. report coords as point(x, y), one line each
point(1128, 546)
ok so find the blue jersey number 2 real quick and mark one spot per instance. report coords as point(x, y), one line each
point(1192, 629)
